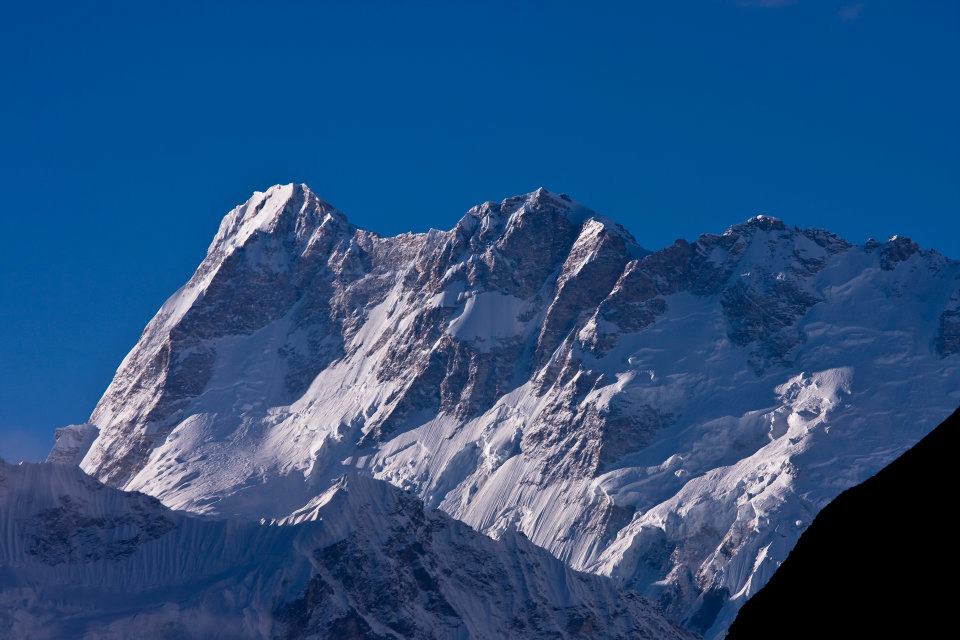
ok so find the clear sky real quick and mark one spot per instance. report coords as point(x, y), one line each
point(127, 130)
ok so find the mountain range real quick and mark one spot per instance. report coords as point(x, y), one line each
point(670, 421)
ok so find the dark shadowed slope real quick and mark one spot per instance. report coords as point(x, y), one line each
point(362, 561)
point(874, 560)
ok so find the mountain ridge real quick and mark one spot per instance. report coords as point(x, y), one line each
point(662, 417)
point(84, 560)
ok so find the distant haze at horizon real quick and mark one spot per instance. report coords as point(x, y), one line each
point(121, 152)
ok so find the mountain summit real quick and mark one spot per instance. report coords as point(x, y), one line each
point(672, 419)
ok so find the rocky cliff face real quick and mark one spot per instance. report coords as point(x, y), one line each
point(72, 442)
point(672, 419)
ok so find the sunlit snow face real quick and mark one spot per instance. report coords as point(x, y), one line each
point(642, 416)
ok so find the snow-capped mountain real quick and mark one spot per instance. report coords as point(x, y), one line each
point(362, 560)
point(673, 419)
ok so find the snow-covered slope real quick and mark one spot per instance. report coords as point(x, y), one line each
point(886, 569)
point(672, 419)
point(363, 560)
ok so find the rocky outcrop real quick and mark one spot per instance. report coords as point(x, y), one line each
point(72, 442)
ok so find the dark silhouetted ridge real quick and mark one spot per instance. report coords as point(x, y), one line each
point(877, 561)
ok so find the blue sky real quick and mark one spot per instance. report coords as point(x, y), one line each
point(127, 130)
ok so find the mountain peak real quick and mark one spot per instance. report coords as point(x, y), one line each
point(280, 210)
point(529, 355)
point(760, 222)
point(543, 199)
point(766, 222)
point(897, 249)
point(492, 220)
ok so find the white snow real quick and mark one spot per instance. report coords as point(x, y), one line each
point(488, 316)
point(708, 500)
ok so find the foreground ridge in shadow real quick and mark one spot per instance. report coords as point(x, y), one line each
point(874, 560)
